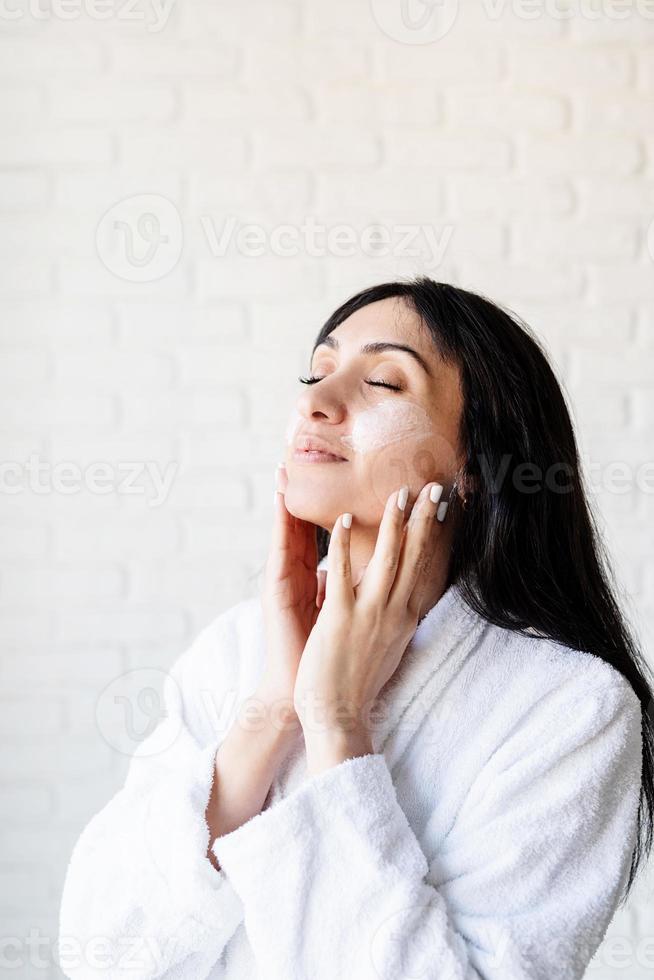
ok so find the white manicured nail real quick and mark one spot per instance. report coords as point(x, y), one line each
point(435, 493)
point(347, 520)
point(402, 497)
point(442, 510)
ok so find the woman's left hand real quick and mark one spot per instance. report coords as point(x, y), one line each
point(362, 631)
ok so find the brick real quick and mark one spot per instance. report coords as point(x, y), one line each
point(25, 803)
point(90, 279)
point(642, 407)
point(416, 194)
point(500, 20)
point(28, 887)
point(267, 276)
point(112, 101)
point(21, 277)
point(633, 24)
point(48, 410)
point(206, 486)
point(242, 105)
point(583, 67)
point(170, 59)
point(100, 191)
point(25, 367)
point(50, 587)
point(107, 369)
point(502, 195)
point(626, 114)
point(219, 362)
point(182, 147)
point(16, 540)
point(329, 147)
point(32, 716)
point(195, 408)
point(25, 627)
point(508, 284)
point(526, 110)
point(33, 323)
point(442, 153)
point(117, 538)
point(634, 281)
point(46, 234)
point(31, 56)
point(283, 191)
point(341, 59)
point(617, 156)
point(75, 758)
point(121, 623)
point(25, 100)
point(21, 190)
point(604, 195)
point(231, 22)
point(175, 323)
point(395, 105)
point(607, 238)
point(470, 64)
point(185, 581)
point(600, 368)
point(51, 145)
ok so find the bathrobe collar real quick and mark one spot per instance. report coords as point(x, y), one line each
point(443, 639)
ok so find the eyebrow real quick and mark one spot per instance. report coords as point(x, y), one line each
point(378, 347)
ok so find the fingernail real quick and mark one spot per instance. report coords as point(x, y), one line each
point(402, 497)
point(347, 520)
point(435, 493)
point(442, 510)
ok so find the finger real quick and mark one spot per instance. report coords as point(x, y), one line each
point(321, 576)
point(418, 549)
point(339, 571)
point(380, 574)
point(280, 537)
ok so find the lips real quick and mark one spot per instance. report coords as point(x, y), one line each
point(307, 444)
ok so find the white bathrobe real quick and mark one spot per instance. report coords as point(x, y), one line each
point(488, 835)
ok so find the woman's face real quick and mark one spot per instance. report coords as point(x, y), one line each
point(387, 438)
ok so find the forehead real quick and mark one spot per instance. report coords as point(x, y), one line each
point(387, 319)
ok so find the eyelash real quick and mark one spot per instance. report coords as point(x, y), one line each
point(378, 384)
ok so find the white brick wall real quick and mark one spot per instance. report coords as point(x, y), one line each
point(530, 136)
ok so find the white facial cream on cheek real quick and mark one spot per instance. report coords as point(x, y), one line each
point(385, 423)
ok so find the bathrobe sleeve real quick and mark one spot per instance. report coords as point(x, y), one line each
point(141, 898)
point(335, 883)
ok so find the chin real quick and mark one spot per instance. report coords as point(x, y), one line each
point(315, 504)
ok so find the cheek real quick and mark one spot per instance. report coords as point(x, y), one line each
point(396, 444)
point(387, 423)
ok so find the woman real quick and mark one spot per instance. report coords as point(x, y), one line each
point(424, 750)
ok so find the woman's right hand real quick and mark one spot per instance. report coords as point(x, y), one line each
point(293, 591)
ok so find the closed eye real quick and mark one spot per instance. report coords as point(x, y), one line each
point(312, 379)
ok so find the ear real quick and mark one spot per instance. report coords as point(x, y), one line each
point(465, 484)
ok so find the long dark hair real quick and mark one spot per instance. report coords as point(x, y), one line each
point(534, 563)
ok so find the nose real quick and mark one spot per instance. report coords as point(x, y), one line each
point(323, 400)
